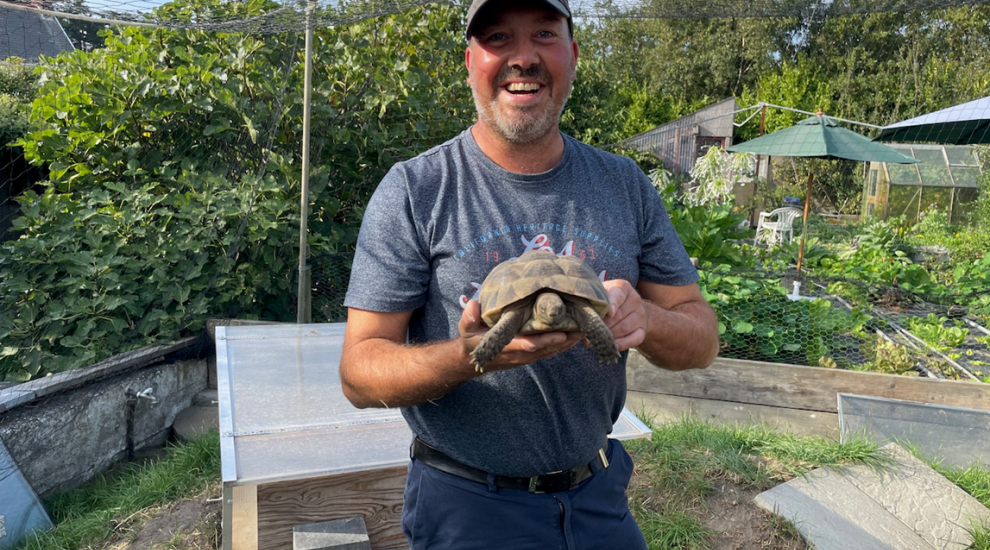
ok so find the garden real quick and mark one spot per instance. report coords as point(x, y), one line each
point(882, 295)
point(171, 183)
point(173, 177)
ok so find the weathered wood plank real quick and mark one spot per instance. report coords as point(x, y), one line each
point(671, 407)
point(376, 495)
point(798, 387)
point(244, 517)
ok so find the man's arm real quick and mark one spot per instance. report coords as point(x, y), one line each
point(674, 327)
point(378, 369)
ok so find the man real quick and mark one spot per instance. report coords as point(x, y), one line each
point(517, 457)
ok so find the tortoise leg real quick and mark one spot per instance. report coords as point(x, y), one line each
point(497, 338)
point(595, 330)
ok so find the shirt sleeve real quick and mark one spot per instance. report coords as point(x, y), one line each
point(663, 259)
point(391, 270)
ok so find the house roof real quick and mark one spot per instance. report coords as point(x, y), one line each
point(28, 35)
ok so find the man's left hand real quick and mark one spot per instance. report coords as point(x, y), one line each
point(628, 320)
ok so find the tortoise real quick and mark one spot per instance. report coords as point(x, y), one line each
point(542, 292)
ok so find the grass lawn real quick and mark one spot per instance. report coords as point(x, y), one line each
point(692, 489)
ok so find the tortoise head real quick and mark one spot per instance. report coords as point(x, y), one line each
point(549, 308)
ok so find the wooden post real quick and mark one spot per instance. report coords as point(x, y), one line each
point(804, 230)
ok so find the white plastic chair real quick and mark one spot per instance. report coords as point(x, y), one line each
point(773, 227)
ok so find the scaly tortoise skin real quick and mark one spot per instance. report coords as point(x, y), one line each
point(542, 292)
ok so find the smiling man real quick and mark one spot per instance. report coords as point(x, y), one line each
point(517, 457)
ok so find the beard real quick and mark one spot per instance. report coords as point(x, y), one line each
point(530, 124)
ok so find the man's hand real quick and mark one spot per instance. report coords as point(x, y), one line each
point(522, 350)
point(672, 326)
point(629, 321)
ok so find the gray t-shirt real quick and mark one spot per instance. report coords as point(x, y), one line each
point(435, 227)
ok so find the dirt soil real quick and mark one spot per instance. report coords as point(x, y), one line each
point(738, 524)
point(192, 524)
point(730, 513)
point(742, 525)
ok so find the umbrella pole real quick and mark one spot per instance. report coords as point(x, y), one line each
point(804, 229)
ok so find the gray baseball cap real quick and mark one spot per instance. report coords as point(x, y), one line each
point(477, 5)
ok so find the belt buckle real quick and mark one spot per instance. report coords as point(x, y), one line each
point(553, 482)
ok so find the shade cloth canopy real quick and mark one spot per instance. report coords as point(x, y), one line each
point(965, 124)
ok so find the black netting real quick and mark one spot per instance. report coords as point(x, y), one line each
point(331, 273)
point(293, 16)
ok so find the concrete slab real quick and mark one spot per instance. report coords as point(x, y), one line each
point(833, 514)
point(341, 534)
point(927, 502)
point(905, 506)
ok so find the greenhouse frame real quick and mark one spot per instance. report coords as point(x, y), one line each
point(947, 179)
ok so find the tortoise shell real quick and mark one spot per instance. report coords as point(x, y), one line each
point(515, 280)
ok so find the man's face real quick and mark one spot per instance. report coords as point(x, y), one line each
point(521, 64)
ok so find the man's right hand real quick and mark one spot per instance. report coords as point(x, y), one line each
point(522, 350)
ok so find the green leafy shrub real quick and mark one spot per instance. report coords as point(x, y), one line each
point(933, 330)
point(14, 117)
point(880, 257)
point(17, 79)
point(709, 232)
point(18, 85)
point(933, 228)
point(175, 173)
point(100, 272)
point(889, 358)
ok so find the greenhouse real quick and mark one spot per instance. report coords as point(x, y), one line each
point(947, 179)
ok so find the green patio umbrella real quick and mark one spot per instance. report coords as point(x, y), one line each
point(820, 137)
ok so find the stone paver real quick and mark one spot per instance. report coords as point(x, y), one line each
point(924, 500)
point(341, 534)
point(905, 506)
point(833, 514)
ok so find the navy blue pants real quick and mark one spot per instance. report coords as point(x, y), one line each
point(442, 511)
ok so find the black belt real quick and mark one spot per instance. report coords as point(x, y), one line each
point(553, 482)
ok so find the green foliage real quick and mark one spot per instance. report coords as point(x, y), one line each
point(18, 85)
point(101, 272)
point(797, 84)
point(707, 232)
point(890, 358)
point(933, 330)
point(17, 79)
point(933, 228)
point(882, 257)
point(786, 254)
point(175, 167)
point(13, 119)
point(715, 175)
